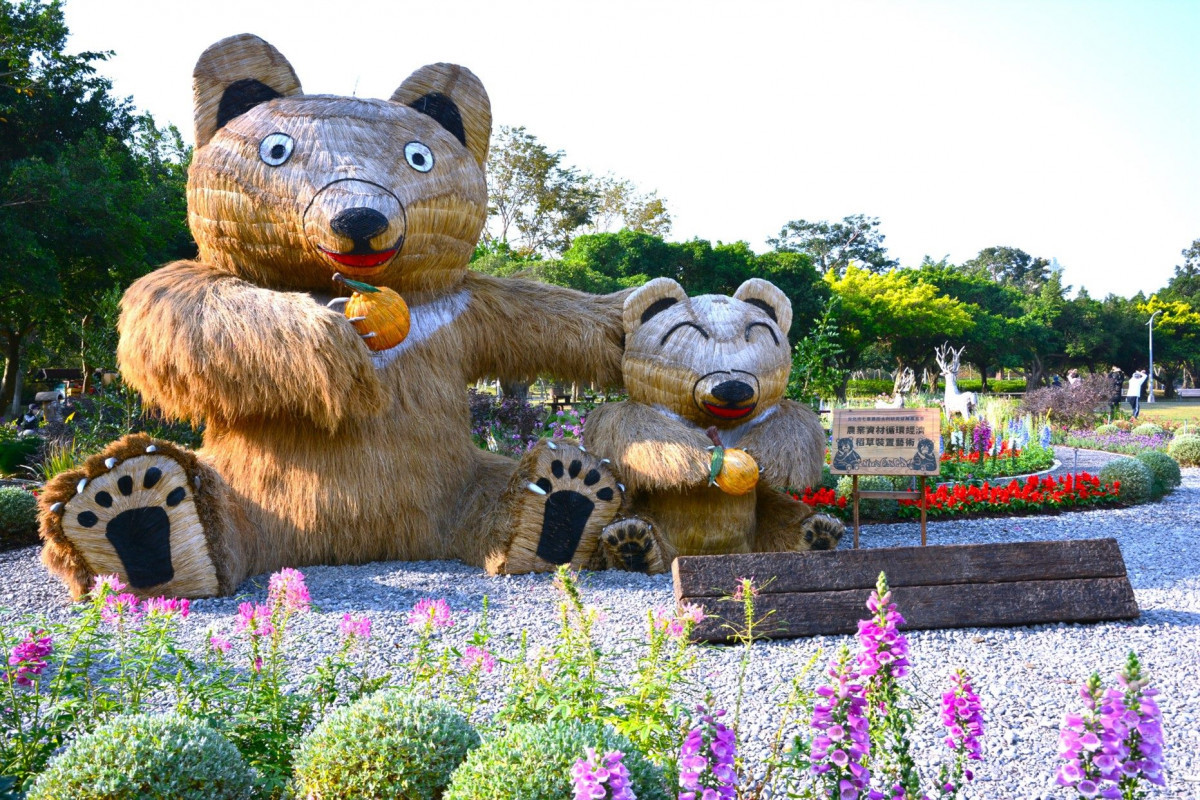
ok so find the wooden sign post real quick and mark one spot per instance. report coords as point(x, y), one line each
point(887, 441)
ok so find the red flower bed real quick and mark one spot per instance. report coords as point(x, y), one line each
point(1031, 495)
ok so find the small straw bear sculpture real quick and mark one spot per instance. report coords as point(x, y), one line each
point(319, 449)
point(705, 375)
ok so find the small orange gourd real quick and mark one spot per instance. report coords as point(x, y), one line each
point(733, 471)
point(385, 313)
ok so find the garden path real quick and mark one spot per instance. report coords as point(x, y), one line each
point(1074, 459)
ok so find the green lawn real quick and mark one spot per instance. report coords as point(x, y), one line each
point(1171, 410)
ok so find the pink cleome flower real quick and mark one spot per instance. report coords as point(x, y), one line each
point(355, 627)
point(288, 591)
point(477, 658)
point(255, 619)
point(430, 614)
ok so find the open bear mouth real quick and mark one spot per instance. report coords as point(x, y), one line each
point(360, 263)
point(729, 412)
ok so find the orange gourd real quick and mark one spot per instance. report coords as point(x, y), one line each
point(733, 471)
point(385, 314)
point(739, 472)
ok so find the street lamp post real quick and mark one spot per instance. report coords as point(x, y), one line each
point(1150, 324)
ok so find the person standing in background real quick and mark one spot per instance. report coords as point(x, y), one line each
point(1134, 395)
point(1116, 380)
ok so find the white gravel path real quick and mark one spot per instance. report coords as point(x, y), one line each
point(1027, 676)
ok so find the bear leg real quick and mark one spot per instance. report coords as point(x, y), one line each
point(552, 511)
point(784, 524)
point(148, 511)
point(633, 544)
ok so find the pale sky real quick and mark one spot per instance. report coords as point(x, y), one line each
point(1068, 129)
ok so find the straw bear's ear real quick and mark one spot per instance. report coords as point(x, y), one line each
point(769, 298)
point(655, 297)
point(232, 77)
point(454, 97)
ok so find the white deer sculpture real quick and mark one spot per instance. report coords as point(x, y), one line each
point(955, 402)
point(902, 385)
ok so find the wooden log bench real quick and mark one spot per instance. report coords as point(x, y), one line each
point(948, 586)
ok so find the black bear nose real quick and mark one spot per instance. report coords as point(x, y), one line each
point(360, 225)
point(733, 392)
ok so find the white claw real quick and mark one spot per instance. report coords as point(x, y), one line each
point(152, 448)
point(79, 486)
point(57, 507)
point(196, 480)
point(110, 462)
point(533, 487)
point(605, 461)
point(582, 449)
point(552, 445)
point(357, 319)
point(368, 335)
point(621, 486)
point(338, 304)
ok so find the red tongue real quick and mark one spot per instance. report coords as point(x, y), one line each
point(727, 413)
point(362, 260)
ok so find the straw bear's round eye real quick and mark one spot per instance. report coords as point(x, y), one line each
point(276, 149)
point(419, 156)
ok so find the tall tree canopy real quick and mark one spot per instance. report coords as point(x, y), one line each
point(91, 195)
point(1011, 266)
point(833, 246)
point(539, 204)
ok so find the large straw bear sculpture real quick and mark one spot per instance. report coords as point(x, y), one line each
point(318, 449)
point(690, 366)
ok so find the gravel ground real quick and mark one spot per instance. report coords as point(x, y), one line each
point(1027, 677)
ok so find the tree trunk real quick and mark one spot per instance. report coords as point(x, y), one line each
point(12, 366)
point(518, 390)
point(983, 376)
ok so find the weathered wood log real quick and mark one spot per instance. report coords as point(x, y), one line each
point(953, 586)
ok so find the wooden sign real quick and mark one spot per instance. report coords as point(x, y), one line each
point(886, 441)
point(951, 586)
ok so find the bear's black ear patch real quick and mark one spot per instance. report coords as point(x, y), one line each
point(657, 307)
point(764, 305)
point(444, 110)
point(241, 96)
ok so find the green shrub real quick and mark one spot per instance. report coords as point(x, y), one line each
point(1147, 429)
point(1185, 449)
point(387, 745)
point(1137, 482)
point(18, 516)
point(873, 509)
point(16, 453)
point(533, 762)
point(147, 757)
point(1108, 429)
point(1164, 469)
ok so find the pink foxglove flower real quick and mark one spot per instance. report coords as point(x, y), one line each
point(29, 657)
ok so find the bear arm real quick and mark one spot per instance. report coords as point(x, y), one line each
point(651, 450)
point(521, 329)
point(789, 446)
point(205, 345)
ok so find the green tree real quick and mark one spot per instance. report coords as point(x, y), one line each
point(895, 310)
point(537, 201)
point(1011, 266)
point(90, 194)
point(621, 206)
point(996, 338)
point(817, 371)
point(833, 246)
point(1185, 285)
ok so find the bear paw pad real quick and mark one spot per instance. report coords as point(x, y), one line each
point(139, 520)
point(629, 544)
point(567, 499)
point(822, 532)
